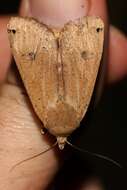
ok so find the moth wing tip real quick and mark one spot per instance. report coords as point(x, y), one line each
point(100, 22)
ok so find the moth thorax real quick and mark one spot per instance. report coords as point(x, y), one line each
point(61, 120)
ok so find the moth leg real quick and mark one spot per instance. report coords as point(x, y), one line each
point(42, 131)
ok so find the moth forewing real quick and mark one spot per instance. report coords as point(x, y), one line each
point(59, 69)
point(37, 72)
point(82, 46)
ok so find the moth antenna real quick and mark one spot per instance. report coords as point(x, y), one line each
point(96, 155)
point(32, 157)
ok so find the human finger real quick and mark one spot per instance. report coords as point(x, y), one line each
point(117, 67)
point(5, 54)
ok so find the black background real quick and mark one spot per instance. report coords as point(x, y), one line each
point(108, 131)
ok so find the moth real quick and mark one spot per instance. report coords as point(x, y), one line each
point(59, 67)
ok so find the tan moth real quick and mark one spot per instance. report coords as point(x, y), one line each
point(59, 68)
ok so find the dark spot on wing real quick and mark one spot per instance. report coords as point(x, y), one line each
point(23, 54)
point(11, 31)
point(32, 56)
point(99, 29)
point(58, 43)
point(84, 54)
point(87, 55)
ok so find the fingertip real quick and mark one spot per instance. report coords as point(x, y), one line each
point(57, 13)
point(5, 54)
point(117, 67)
point(92, 184)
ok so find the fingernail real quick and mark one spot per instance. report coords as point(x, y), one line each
point(57, 12)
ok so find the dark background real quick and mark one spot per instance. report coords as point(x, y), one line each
point(108, 132)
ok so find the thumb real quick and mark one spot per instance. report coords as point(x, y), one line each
point(54, 12)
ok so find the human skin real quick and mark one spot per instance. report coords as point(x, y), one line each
point(20, 135)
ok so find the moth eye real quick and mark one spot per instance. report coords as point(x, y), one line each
point(11, 31)
point(99, 29)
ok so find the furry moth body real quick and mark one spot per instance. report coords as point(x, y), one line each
point(58, 68)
